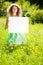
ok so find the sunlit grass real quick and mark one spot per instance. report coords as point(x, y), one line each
point(30, 54)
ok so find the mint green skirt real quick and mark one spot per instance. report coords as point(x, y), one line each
point(16, 38)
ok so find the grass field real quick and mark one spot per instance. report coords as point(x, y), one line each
point(29, 54)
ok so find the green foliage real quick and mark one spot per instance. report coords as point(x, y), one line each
point(29, 54)
point(31, 10)
point(4, 8)
point(1, 4)
point(1, 1)
point(37, 16)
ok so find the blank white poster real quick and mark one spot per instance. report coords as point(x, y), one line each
point(18, 24)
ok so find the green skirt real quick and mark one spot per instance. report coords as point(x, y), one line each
point(16, 38)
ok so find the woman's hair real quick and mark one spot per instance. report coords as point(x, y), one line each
point(9, 10)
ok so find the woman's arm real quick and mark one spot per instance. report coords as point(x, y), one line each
point(6, 25)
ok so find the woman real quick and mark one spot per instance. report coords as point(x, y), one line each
point(14, 38)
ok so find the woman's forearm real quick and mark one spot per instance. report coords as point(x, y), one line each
point(6, 25)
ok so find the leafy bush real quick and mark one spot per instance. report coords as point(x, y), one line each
point(4, 7)
point(37, 16)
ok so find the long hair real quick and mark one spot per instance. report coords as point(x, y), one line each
point(9, 10)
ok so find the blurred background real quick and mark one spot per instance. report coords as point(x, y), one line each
point(31, 8)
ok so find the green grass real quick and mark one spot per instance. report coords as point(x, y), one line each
point(30, 54)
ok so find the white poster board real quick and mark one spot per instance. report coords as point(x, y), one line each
point(18, 24)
